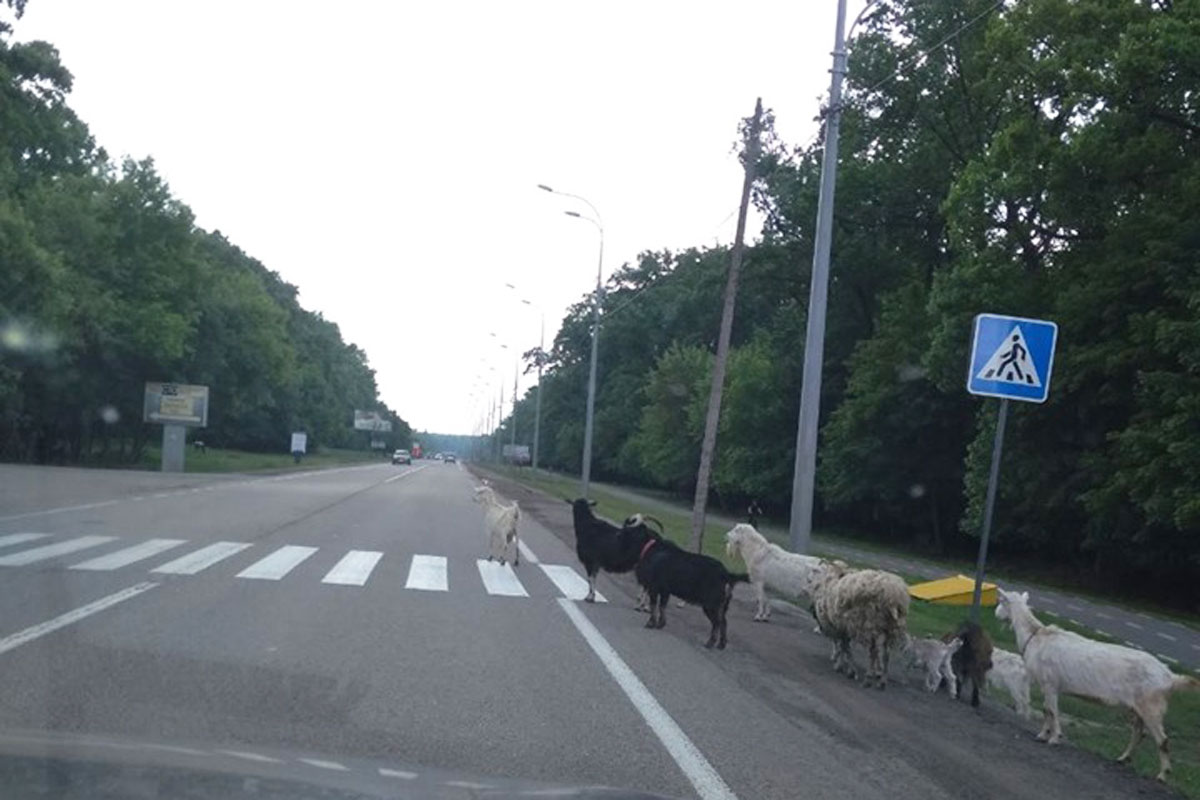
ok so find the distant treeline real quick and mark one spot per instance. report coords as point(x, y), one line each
point(106, 283)
point(1044, 162)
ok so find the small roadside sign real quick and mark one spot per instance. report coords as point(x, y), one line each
point(299, 442)
point(1012, 357)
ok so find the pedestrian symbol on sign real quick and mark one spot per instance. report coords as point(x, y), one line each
point(1011, 362)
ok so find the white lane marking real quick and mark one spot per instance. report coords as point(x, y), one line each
point(1133, 625)
point(1049, 601)
point(691, 761)
point(59, 510)
point(1074, 607)
point(17, 538)
point(406, 473)
point(569, 582)
point(203, 558)
point(316, 762)
point(469, 785)
point(1179, 625)
point(1144, 615)
point(427, 573)
point(251, 756)
point(396, 773)
point(1076, 622)
point(526, 553)
point(354, 568)
point(170, 748)
point(1166, 636)
point(1167, 658)
point(1133, 645)
point(500, 580)
point(278, 564)
point(130, 555)
point(52, 550)
point(1102, 615)
point(221, 485)
point(1196, 647)
point(15, 640)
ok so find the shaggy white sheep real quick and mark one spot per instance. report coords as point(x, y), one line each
point(499, 525)
point(770, 565)
point(1008, 670)
point(933, 655)
point(867, 606)
point(1062, 662)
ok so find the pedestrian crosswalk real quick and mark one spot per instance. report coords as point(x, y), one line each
point(248, 561)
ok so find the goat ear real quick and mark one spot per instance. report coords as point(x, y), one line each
point(1025, 596)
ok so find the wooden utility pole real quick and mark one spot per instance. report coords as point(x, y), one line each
point(703, 475)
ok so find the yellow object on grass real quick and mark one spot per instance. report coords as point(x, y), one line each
point(956, 590)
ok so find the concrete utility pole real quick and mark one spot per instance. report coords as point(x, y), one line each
point(805, 468)
point(700, 504)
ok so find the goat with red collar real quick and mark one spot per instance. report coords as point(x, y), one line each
point(665, 569)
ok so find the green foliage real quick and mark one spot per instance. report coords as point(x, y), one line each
point(1042, 161)
point(106, 283)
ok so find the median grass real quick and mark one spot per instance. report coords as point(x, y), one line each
point(215, 459)
point(1089, 725)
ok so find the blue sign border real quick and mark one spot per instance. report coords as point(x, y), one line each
point(1040, 335)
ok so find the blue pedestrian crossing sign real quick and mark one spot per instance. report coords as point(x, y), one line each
point(1012, 357)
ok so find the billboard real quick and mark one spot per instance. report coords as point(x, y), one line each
point(371, 421)
point(175, 404)
point(516, 453)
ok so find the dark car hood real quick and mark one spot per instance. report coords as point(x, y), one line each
point(64, 766)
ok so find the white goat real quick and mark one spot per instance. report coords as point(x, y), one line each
point(934, 655)
point(1008, 670)
point(499, 525)
point(868, 606)
point(1062, 662)
point(771, 565)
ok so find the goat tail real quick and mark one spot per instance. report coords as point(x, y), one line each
point(1185, 682)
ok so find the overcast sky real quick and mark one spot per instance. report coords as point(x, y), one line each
point(384, 156)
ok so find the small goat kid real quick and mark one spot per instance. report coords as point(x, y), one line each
point(499, 526)
point(1008, 671)
point(771, 565)
point(1062, 662)
point(934, 657)
point(868, 606)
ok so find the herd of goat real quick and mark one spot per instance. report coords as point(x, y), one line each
point(868, 607)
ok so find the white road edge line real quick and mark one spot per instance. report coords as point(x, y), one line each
point(708, 784)
point(396, 773)
point(59, 510)
point(19, 638)
point(526, 553)
point(1166, 636)
point(316, 762)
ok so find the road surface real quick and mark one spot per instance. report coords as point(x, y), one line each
point(316, 619)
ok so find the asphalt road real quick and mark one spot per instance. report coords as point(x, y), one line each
point(343, 614)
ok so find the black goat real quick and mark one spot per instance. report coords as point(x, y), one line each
point(601, 545)
point(665, 569)
point(972, 660)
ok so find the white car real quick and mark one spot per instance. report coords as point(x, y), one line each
point(401, 457)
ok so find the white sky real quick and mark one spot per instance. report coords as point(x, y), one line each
point(384, 156)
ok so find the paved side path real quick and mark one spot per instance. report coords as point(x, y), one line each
point(1169, 640)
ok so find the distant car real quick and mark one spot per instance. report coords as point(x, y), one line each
point(401, 457)
point(437, 457)
point(449, 458)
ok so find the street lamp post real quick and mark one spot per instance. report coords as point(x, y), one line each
point(537, 413)
point(591, 396)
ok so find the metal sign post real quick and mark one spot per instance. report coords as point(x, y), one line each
point(1011, 358)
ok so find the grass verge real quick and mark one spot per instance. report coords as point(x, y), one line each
point(218, 460)
point(1091, 726)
